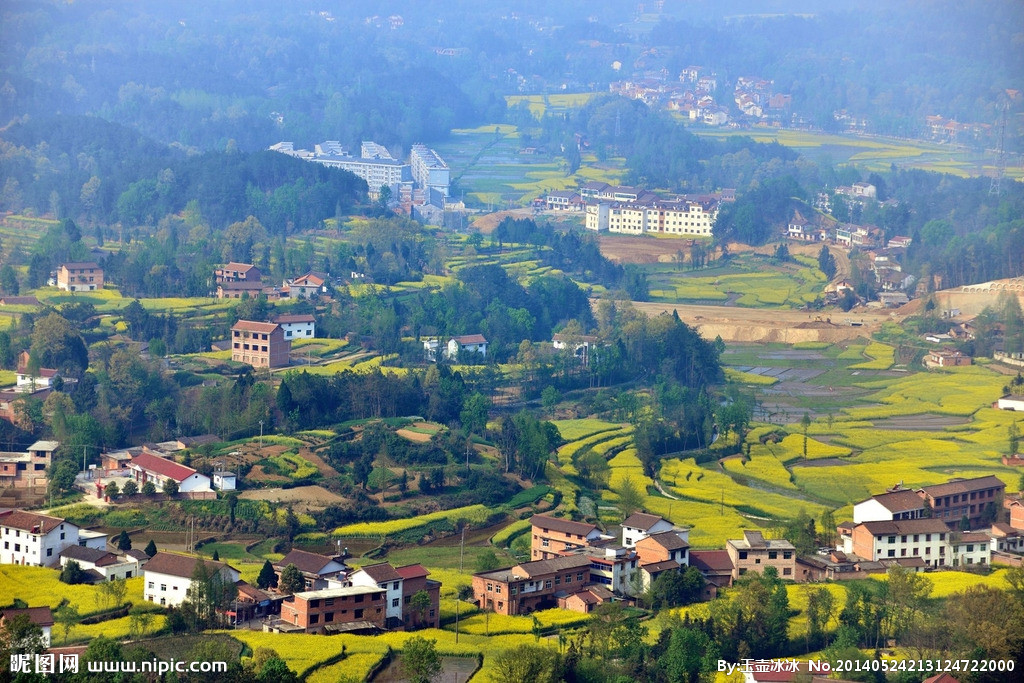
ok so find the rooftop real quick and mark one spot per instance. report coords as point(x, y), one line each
point(669, 540)
point(162, 466)
point(956, 486)
point(906, 526)
point(184, 566)
point(338, 592)
point(254, 326)
point(310, 563)
point(898, 501)
point(32, 522)
point(565, 526)
point(381, 572)
point(642, 521)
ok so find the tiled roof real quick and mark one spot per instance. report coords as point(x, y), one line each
point(173, 564)
point(565, 526)
point(906, 526)
point(40, 616)
point(658, 567)
point(295, 318)
point(163, 467)
point(470, 339)
point(381, 572)
point(310, 563)
point(241, 267)
point(412, 571)
point(963, 486)
point(899, 501)
point(642, 521)
point(253, 326)
point(90, 555)
point(711, 560)
point(79, 264)
point(555, 564)
point(669, 540)
point(32, 522)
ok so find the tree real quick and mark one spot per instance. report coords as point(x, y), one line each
point(487, 561)
point(420, 661)
point(150, 548)
point(631, 498)
point(170, 487)
point(216, 556)
point(690, 654)
point(72, 573)
point(1013, 438)
point(67, 616)
point(111, 490)
point(805, 424)
point(267, 577)
point(130, 488)
point(148, 488)
point(124, 541)
point(675, 588)
point(420, 603)
point(525, 663)
point(291, 580)
point(904, 596)
point(19, 638)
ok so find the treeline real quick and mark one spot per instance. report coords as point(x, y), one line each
point(87, 169)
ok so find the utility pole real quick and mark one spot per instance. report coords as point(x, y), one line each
point(261, 435)
point(462, 548)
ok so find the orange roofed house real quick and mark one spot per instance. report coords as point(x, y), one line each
point(261, 345)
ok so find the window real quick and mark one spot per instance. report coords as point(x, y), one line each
point(892, 539)
point(150, 585)
point(772, 554)
point(547, 584)
point(328, 602)
point(892, 553)
point(786, 571)
point(395, 585)
point(786, 554)
point(163, 586)
point(49, 552)
point(329, 617)
point(394, 602)
point(314, 618)
point(579, 576)
point(743, 554)
point(358, 614)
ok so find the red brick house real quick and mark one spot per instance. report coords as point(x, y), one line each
point(261, 345)
point(79, 277)
point(554, 536)
point(237, 272)
point(970, 498)
point(347, 609)
point(414, 580)
point(530, 586)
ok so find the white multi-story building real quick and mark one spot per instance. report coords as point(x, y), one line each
point(381, 575)
point(429, 170)
point(928, 539)
point(971, 547)
point(104, 564)
point(684, 218)
point(30, 538)
point(896, 505)
point(168, 576)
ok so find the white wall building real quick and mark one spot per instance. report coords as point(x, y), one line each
point(297, 326)
point(640, 525)
point(972, 547)
point(148, 467)
point(885, 507)
point(167, 577)
point(29, 538)
point(109, 566)
point(381, 575)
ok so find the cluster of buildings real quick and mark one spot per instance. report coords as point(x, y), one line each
point(636, 211)
point(415, 186)
point(154, 462)
point(30, 383)
point(455, 347)
point(235, 280)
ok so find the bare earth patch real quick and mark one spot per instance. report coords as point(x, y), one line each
point(413, 436)
point(313, 497)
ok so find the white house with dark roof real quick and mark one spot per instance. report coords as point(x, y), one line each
point(306, 286)
point(104, 565)
point(168, 576)
point(893, 505)
point(317, 570)
point(297, 325)
point(148, 467)
point(640, 525)
point(381, 575)
point(29, 538)
point(40, 616)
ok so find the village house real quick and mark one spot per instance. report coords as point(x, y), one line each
point(554, 536)
point(971, 547)
point(79, 277)
point(224, 480)
point(896, 504)
point(583, 345)
point(262, 345)
point(945, 358)
point(349, 609)
point(530, 586)
point(238, 272)
point(297, 325)
point(39, 616)
point(465, 344)
point(317, 570)
point(414, 580)
point(148, 467)
point(927, 539)
point(30, 538)
point(29, 469)
point(7, 300)
point(754, 552)
point(29, 380)
point(167, 577)
point(563, 200)
point(239, 289)
point(716, 567)
point(978, 500)
point(308, 286)
point(640, 525)
point(104, 565)
point(1011, 402)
